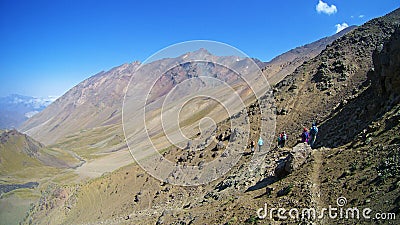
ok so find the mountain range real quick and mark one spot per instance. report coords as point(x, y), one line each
point(97, 101)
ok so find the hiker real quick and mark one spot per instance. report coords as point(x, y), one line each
point(313, 134)
point(305, 135)
point(279, 140)
point(260, 143)
point(282, 139)
point(252, 145)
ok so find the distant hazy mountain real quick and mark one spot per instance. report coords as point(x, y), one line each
point(15, 109)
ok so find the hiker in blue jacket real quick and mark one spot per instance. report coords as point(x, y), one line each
point(313, 135)
point(260, 143)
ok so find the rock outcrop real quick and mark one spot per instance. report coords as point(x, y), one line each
point(296, 158)
point(387, 66)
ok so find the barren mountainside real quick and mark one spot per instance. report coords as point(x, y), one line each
point(97, 101)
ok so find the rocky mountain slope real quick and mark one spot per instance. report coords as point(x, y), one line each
point(285, 64)
point(350, 89)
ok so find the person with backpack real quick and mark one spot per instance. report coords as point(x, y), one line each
point(252, 146)
point(279, 140)
point(282, 139)
point(305, 135)
point(313, 134)
point(260, 143)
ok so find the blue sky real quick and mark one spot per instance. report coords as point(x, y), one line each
point(47, 47)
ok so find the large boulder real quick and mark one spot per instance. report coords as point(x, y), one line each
point(296, 158)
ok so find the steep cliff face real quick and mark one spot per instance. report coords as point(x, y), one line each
point(387, 67)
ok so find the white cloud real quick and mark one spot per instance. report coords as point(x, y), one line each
point(361, 16)
point(323, 7)
point(340, 27)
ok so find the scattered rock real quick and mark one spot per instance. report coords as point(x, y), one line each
point(189, 145)
point(212, 195)
point(220, 145)
point(269, 190)
point(215, 154)
point(137, 197)
point(184, 157)
point(201, 164)
point(285, 191)
point(282, 111)
point(293, 87)
point(225, 154)
point(160, 219)
point(235, 134)
point(368, 141)
point(228, 182)
point(345, 174)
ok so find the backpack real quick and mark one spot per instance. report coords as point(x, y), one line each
point(305, 136)
point(313, 131)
